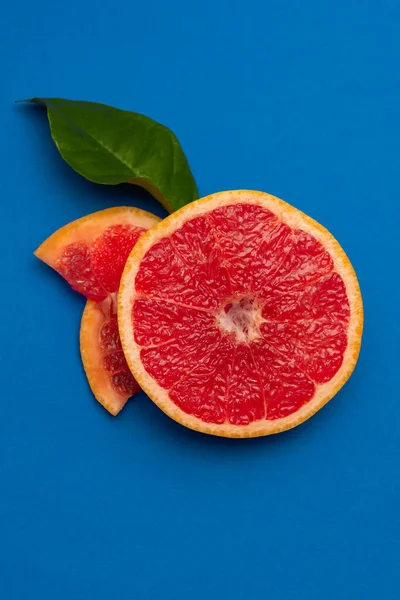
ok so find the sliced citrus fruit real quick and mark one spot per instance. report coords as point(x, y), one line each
point(90, 253)
point(239, 315)
point(103, 359)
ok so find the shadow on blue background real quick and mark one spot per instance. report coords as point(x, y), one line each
point(299, 99)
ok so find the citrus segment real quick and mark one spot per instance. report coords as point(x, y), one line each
point(90, 254)
point(175, 359)
point(202, 392)
point(317, 347)
point(103, 359)
point(239, 315)
point(245, 398)
point(173, 321)
point(286, 387)
point(167, 275)
point(251, 241)
point(324, 297)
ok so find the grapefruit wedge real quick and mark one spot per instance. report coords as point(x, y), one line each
point(90, 254)
point(239, 315)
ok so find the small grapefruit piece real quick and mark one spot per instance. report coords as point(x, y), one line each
point(239, 315)
point(103, 359)
point(90, 253)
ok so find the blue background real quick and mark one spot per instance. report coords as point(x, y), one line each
point(300, 99)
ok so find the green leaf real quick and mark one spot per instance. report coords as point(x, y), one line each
point(110, 146)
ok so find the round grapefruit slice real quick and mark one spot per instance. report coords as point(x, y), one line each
point(239, 315)
point(90, 253)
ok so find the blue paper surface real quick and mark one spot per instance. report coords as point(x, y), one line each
point(299, 99)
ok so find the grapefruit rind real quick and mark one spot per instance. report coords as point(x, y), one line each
point(295, 219)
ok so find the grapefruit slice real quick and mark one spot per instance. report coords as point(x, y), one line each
point(90, 253)
point(239, 315)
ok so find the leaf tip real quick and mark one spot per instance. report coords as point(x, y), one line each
point(30, 101)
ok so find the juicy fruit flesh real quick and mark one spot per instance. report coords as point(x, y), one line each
point(114, 361)
point(239, 316)
point(95, 271)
